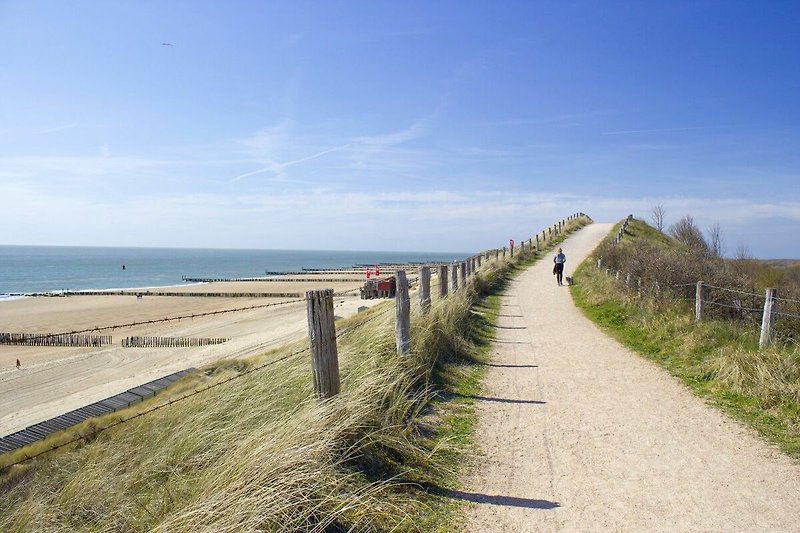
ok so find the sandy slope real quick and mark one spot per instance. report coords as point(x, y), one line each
point(54, 380)
point(579, 434)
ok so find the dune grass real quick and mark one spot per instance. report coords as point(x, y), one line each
point(261, 453)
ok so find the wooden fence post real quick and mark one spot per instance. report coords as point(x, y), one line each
point(537, 241)
point(464, 274)
point(698, 302)
point(322, 338)
point(480, 258)
point(402, 325)
point(442, 281)
point(768, 319)
point(599, 263)
point(425, 289)
point(454, 276)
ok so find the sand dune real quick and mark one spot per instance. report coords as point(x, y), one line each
point(54, 380)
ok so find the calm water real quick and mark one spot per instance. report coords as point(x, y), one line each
point(29, 269)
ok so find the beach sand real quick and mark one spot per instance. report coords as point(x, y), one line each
point(54, 380)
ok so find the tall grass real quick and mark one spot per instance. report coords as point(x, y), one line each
point(260, 453)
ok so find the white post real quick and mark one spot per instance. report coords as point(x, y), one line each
point(768, 319)
point(698, 302)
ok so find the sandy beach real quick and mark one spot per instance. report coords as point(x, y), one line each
point(54, 380)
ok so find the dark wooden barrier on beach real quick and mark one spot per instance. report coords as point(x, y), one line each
point(108, 405)
point(169, 342)
point(187, 294)
point(53, 339)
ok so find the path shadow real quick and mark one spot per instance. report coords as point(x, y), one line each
point(497, 400)
point(501, 341)
point(499, 365)
point(492, 499)
point(511, 327)
point(513, 316)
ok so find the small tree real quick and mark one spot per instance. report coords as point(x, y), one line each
point(657, 216)
point(715, 241)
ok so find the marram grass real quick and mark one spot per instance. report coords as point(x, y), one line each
point(261, 454)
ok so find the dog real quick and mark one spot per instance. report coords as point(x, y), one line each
point(569, 280)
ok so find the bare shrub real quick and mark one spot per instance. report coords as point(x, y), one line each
point(657, 213)
point(686, 231)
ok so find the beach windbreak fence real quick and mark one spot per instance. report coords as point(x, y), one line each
point(54, 339)
point(170, 342)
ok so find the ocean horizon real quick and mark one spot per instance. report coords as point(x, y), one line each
point(26, 270)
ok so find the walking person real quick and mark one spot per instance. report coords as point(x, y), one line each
point(558, 268)
point(19, 365)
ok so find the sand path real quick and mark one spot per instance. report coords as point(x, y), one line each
point(580, 434)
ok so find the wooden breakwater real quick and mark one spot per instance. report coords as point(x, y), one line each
point(54, 339)
point(189, 294)
point(170, 342)
point(271, 280)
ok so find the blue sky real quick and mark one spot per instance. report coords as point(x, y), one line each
point(441, 126)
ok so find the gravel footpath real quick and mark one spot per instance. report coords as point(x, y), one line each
point(580, 434)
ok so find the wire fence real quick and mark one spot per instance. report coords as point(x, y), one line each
point(139, 413)
point(745, 307)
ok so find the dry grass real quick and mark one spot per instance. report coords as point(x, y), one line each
point(261, 454)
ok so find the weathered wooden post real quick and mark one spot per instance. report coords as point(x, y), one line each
point(425, 289)
point(472, 267)
point(442, 281)
point(504, 252)
point(402, 324)
point(599, 263)
point(698, 302)
point(464, 274)
point(537, 241)
point(480, 258)
point(454, 276)
point(768, 319)
point(628, 280)
point(322, 338)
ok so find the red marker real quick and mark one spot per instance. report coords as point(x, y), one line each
point(369, 273)
point(377, 271)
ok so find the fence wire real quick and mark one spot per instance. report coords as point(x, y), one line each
point(724, 303)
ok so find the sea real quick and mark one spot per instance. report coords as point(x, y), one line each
point(26, 270)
